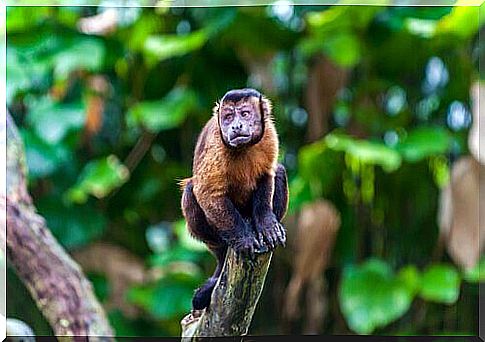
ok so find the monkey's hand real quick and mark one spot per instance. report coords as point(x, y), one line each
point(243, 241)
point(269, 231)
point(246, 246)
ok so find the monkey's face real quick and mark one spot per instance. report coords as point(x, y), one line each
point(241, 122)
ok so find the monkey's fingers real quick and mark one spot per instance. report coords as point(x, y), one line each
point(246, 248)
point(274, 236)
point(281, 233)
point(257, 247)
point(268, 239)
point(260, 238)
point(258, 243)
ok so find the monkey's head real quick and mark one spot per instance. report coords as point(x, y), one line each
point(241, 116)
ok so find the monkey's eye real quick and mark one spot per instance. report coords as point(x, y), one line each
point(228, 116)
point(244, 113)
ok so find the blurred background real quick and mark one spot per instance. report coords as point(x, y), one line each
point(377, 114)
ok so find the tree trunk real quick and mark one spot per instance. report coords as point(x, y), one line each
point(55, 281)
point(233, 301)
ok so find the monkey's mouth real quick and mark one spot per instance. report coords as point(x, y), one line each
point(239, 140)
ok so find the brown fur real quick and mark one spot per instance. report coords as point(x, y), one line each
point(219, 171)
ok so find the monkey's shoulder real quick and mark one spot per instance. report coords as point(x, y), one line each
point(206, 141)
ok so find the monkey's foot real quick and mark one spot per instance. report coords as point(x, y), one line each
point(270, 232)
point(246, 246)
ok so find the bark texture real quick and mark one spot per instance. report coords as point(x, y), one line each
point(233, 301)
point(55, 281)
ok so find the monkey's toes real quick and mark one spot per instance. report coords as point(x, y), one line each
point(273, 234)
point(246, 247)
point(281, 233)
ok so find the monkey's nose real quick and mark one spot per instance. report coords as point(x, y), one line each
point(237, 127)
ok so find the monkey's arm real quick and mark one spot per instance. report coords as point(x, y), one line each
point(270, 200)
point(280, 194)
point(230, 225)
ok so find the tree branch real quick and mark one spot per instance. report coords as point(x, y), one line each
point(233, 301)
point(55, 281)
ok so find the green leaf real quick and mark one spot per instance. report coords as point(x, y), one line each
point(368, 152)
point(319, 166)
point(176, 254)
point(410, 277)
point(52, 121)
point(371, 297)
point(73, 226)
point(421, 27)
point(258, 35)
point(61, 53)
point(301, 193)
point(424, 142)
point(100, 285)
point(343, 49)
point(160, 47)
point(24, 18)
point(440, 283)
point(463, 21)
point(475, 274)
point(335, 32)
point(185, 238)
point(170, 297)
point(98, 178)
point(43, 159)
point(19, 74)
point(163, 114)
point(81, 53)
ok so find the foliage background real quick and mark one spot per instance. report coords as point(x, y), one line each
point(109, 115)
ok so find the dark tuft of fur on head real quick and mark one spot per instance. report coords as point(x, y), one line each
point(237, 94)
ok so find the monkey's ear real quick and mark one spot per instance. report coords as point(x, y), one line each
point(266, 106)
point(215, 109)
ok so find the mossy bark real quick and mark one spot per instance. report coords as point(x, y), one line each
point(53, 278)
point(233, 301)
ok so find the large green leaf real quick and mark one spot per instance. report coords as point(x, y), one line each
point(254, 33)
point(43, 159)
point(301, 193)
point(186, 239)
point(161, 47)
point(21, 74)
point(52, 121)
point(424, 142)
point(73, 226)
point(342, 17)
point(163, 114)
point(100, 284)
point(475, 274)
point(170, 297)
point(175, 254)
point(23, 18)
point(336, 31)
point(343, 48)
point(463, 21)
point(319, 166)
point(80, 53)
point(371, 296)
point(440, 283)
point(368, 152)
point(98, 178)
point(61, 53)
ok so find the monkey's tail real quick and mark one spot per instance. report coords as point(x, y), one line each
point(182, 183)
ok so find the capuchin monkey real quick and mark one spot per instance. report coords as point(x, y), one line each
point(238, 193)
